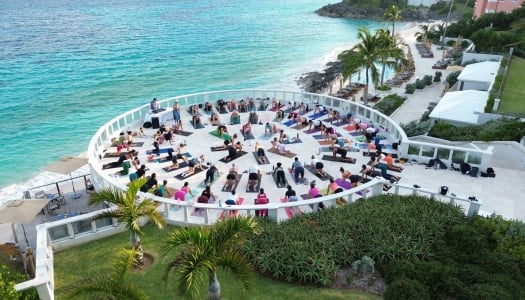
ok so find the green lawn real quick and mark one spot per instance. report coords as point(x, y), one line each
point(513, 96)
point(94, 257)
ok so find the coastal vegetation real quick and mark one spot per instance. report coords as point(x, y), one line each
point(514, 92)
point(421, 248)
point(389, 104)
point(504, 129)
point(129, 212)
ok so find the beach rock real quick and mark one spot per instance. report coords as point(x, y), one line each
point(314, 82)
point(343, 10)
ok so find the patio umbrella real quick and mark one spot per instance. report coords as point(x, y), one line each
point(21, 211)
point(66, 165)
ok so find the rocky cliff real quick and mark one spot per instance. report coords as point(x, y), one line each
point(343, 10)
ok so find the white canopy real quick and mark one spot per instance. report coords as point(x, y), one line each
point(480, 72)
point(460, 107)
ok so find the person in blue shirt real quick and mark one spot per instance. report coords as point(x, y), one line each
point(298, 170)
point(153, 105)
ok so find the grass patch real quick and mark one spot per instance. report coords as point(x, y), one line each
point(94, 257)
point(514, 89)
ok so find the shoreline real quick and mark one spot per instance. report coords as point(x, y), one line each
point(330, 74)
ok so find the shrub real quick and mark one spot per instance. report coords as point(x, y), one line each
point(406, 289)
point(410, 88)
point(427, 79)
point(420, 84)
point(364, 265)
point(415, 128)
point(452, 78)
point(503, 129)
point(383, 88)
point(437, 76)
point(389, 104)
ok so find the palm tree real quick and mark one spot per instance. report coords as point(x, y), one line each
point(393, 14)
point(390, 52)
point(114, 284)
point(365, 54)
point(204, 249)
point(424, 33)
point(128, 211)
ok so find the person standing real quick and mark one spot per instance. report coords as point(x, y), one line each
point(153, 105)
point(176, 112)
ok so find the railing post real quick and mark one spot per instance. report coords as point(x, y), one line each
point(207, 216)
point(473, 208)
point(273, 211)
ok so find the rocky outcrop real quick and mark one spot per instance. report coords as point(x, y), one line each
point(314, 82)
point(343, 10)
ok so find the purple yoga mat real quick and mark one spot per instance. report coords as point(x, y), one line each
point(344, 184)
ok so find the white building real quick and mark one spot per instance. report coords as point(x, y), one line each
point(478, 76)
point(461, 107)
point(425, 3)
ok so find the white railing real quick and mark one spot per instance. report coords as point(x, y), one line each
point(81, 229)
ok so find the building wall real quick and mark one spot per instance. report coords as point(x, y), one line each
point(425, 3)
point(473, 85)
point(491, 6)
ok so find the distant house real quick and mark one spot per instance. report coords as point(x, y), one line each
point(461, 107)
point(478, 76)
point(491, 6)
point(426, 3)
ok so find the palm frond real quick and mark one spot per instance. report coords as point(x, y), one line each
point(187, 236)
point(239, 266)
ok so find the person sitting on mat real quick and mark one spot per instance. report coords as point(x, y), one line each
point(262, 199)
point(231, 178)
point(254, 175)
point(275, 103)
point(234, 117)
point(177, 126)
point(209, 194)
point(221, 131)
point(180, 153)
point(174, 164)
point(246, 128)
point(298, 170)
point(389, 160)
point(232, 153)
point(268, 129)
point(191, 169)
point(259, 150)
point(221, 106)
point(232, 105)
point(215, 119)
point(278, 173)
point(151, 183)
point(242, 106)
point(262, 104)
point(251, 104)
point(345, 174)
point(313, 162)
point(279, 115)
point(313, 192)
point(290, 194)
point(196, 121)
point(208, 108)
point(194, 110)
point(280, 147)
point(342, 152)
point(333, 187)
point(319, 169)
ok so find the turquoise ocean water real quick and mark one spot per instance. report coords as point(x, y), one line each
point(69, 66)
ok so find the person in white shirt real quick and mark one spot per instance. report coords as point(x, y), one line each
point(314, 161)
point(254, 173)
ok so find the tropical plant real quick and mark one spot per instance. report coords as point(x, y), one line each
point(8, 278)
point(391, 53)
point(204, 249)
point(393, 14)
point(128, 211)
point(365, 54)
point(114, 284)
point(424, 33)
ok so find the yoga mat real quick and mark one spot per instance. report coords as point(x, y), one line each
point(215, 149)
point(226, 161)
point(286, 142)
point(362, 146)
point(235, 121)
point(261, 108)
point(113, 154)
point(286, 154)
point(313, 171)
point(162, 150)
point(224, 136)
point(324, 142)
point(313, 130)
point(182, 177)
point(199, 125)
point(265, 137)
point(361, 139)
point(317, 115)
point(137, 144)
point(248, 136)
point(183, 133)
point(222, 112)
point(350, 127)
point(215, 177)
point(305, 181)
point(274, 176)
point(224, 189)
point(340, 122)
point(289, 122)
point(343, 183)
point(338, 159)
point(258, 161)
point(257, 188)
point(289, 210)
point(318, 136)
point(181, 165)
point(356, 133)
